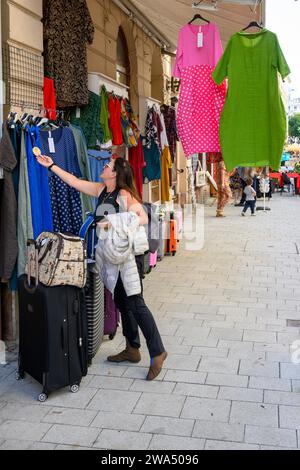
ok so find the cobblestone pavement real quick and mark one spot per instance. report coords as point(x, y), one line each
point(229, 381)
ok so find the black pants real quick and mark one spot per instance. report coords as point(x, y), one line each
point(135, 314)
point(250, 204)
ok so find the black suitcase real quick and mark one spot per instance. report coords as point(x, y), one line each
point(95, 308)
point(53, 336)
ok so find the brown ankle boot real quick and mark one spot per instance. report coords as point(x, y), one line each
point(129, 354)
point(156, 366)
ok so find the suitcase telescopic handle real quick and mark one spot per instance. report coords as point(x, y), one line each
point(30, 244)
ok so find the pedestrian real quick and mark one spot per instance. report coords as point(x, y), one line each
point(224, 192)
point(235, 185)
point(118, 188)
point(250, 195)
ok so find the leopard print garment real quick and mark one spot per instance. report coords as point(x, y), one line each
point(68, 27)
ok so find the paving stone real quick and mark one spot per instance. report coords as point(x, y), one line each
point(227, 380)
point(134, 372)
point(238, 346)
point(206, 409)
point(270, 383)
point(221, 445)
point(18, 429)
point(122, 440)
point(219, 431)
point(290, 371)
point(111, 383)
point(161, 442)
point(118, 421)
point(240, 394)
point(259, 368)
point(114, 400)
point(226, 334)
point(71, 435)
point(70, 416)
point(211, 352)
point(185, 376)
point(180, 362)
point(254, 413)
point(152, 386)
point(296, 386)
point(13, 444)
point(65, 447)
point(192, 390)
point(160, 405)
point(221, 365)
point(105, 369)
point(271, 436)
point(170, 426)
point(289, 417)
point(23, 412)
point(260, 336)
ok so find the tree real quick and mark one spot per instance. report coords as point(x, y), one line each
point(294, 126)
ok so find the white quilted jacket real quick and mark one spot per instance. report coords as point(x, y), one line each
point(116, 250)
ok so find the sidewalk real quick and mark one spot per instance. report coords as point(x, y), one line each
point(228, 382)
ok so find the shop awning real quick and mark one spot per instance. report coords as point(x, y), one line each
point(167, 16)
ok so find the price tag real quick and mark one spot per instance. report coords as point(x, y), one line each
point(1, 173)
point(78, 113)
point(51, 145)
point(200, 38)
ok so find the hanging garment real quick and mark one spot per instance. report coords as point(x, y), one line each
point(15, 133)
point(169, 115)
point(49, 98)
point(66, 202)
point(131, 133)
point(97, 161)
point(152, 170)
point(153, 129)
point(67, 30)
point(104, 115)
point(39, 185)
point(88, 119)
point(166, 166)
point(201, 100)
point(25, 228)
point(83, 161)
point(8, 208)
point(253, 122)
point(137, 161)
point(114, 109)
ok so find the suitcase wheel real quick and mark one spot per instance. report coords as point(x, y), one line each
point(112, 335)
point(42, 397)
point(74, 388)
point(19, 375)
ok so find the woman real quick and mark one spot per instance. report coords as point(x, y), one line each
point(118, 182)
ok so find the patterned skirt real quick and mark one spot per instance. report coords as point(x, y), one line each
point(200, 105)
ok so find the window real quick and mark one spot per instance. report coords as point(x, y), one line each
point(123, 64)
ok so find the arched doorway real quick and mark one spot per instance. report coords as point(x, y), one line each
point(123, 62)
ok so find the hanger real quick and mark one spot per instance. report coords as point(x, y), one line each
point(198, 17)
point(253, 24)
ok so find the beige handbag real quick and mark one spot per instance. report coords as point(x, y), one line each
point(59, 258)
point(200, 176)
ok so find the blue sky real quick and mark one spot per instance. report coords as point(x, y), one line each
point(283, 18)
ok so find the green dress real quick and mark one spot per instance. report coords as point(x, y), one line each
point(253, 120)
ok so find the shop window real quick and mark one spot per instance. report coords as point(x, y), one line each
point(123, 63)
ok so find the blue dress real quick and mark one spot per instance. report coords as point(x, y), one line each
point(66, 202)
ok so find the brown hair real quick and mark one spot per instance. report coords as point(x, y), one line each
point(249, 181)
point(125, 177)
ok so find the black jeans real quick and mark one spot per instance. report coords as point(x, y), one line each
point(250, 204)
point(135, 314)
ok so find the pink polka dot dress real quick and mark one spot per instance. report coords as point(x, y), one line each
point(200, 101)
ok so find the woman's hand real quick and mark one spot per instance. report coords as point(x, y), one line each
point(104, 225)
point(45, 161)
